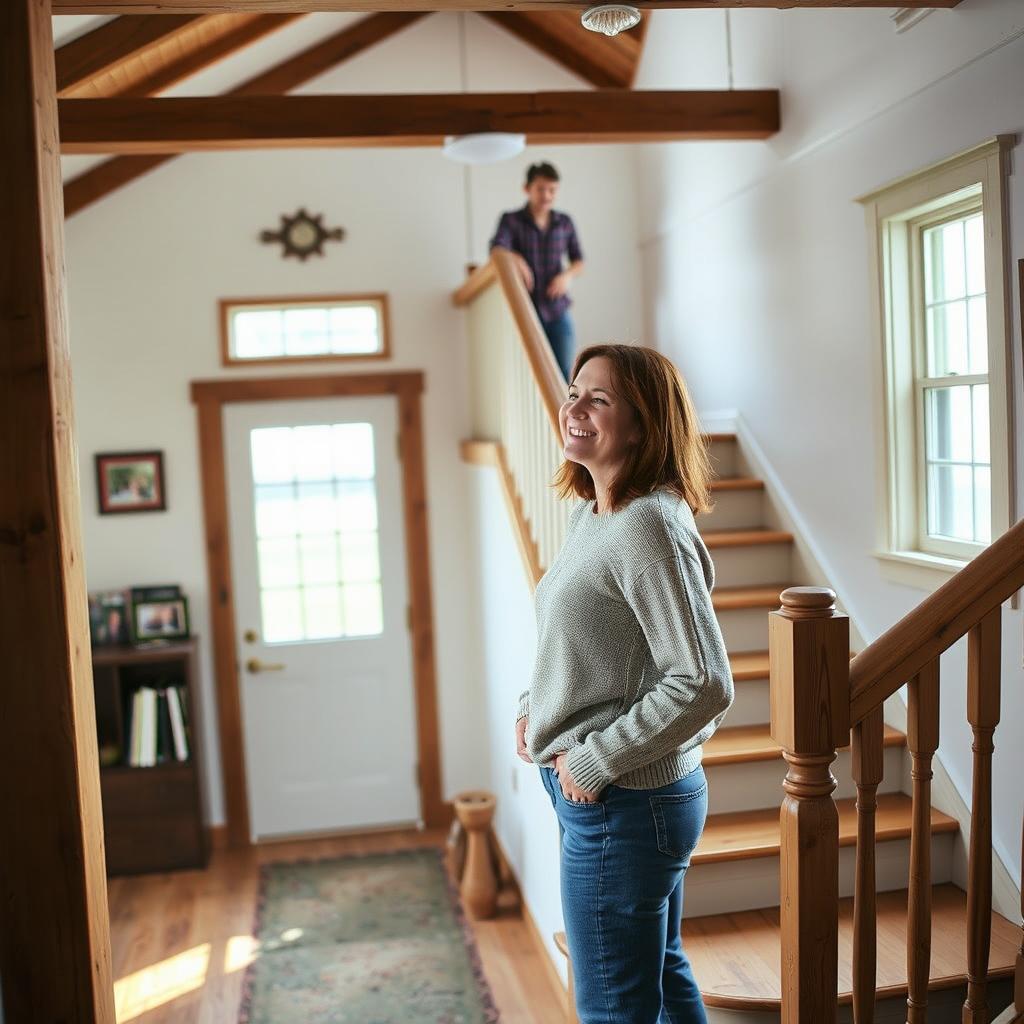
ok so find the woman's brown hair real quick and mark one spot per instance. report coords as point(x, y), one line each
point(672, 451)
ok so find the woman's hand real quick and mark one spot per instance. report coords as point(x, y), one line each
point(521, 740)
point(569, 788)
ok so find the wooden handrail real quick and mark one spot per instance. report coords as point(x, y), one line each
point(937, 622)
point(478, 280)
point(548, 376)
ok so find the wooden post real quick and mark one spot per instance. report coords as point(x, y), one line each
point(54, 929)
point(867, 756)
point(809, 646)
point(922, 739)
point(984, 649)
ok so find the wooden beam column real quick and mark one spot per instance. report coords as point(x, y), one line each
point(54, 930)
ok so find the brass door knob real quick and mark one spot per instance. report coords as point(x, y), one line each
point(255, 665)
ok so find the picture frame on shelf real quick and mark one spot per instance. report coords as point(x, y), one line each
point(130, 482)
point(109, 618)
point(161, 619)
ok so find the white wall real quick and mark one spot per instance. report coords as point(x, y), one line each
point(755, 272)
point(147, 265)
point(504, 620)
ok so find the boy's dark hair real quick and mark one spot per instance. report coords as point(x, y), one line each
point(543, 170)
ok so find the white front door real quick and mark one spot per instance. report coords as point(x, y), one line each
point(321, 599)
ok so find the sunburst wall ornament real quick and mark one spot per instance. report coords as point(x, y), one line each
point(302, 234)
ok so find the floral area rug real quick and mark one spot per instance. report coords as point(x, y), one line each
point(375, 938)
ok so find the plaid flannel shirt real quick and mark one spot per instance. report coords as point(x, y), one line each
point(543, 251)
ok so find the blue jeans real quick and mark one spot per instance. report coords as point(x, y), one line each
point(623, 858)
point(563, 341)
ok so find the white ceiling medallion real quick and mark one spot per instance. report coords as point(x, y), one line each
point(483, 147)
point(907, 17)
point(611, 19)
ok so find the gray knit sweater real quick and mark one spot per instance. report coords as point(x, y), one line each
point(631, 675)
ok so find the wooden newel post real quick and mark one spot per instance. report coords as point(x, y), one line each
point(809, 646)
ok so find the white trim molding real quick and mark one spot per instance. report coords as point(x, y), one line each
point(890, 211)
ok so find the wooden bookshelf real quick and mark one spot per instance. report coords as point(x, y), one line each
point(153, 817)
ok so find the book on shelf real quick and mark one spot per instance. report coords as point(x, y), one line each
point(156, 727)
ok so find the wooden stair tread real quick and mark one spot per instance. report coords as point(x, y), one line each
point(722, 436)
point(744, 538)
point(749, 665)
point(736, 957)
point(765, 595)
point(737, 744)
point(737, 483)
point(752, 664)
point(742, 835)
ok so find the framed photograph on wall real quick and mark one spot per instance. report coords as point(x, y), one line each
point(130, 482)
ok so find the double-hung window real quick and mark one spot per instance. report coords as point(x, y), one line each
point(939, 277)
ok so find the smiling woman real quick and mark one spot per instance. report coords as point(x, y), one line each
point(631, 678)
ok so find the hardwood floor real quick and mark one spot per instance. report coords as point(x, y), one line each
point(181, 941)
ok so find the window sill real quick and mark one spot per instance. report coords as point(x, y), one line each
point(916, 569)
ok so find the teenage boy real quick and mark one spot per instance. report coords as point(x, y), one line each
point(541, 239)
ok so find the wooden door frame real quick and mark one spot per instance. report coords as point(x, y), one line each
point(210, 397)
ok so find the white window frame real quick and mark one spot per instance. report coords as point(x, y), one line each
point(976, 177)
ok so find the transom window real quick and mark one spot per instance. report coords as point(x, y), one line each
point(292, 330)
point(318, 548)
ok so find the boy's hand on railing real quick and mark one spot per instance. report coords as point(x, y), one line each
point(525, 272)
point(521, 740)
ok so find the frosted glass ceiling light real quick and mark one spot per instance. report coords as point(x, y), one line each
point(484, 147)
point(611, 19)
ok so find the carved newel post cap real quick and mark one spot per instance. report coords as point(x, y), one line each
point(807, 602)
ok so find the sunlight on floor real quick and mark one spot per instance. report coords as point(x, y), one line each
point(241, 952)
point(159, 983)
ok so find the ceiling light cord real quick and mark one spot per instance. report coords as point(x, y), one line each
point(728, 48)
point(467, 182)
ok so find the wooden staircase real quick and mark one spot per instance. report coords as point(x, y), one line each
point(731, 927)
point(735, 949)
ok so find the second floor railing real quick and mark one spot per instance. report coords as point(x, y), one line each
point(517, 389)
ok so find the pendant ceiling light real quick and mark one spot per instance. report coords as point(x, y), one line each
point(611, 19)
point(479, 147)
point(483, 147)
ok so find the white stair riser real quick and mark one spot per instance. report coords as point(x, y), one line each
point(734, 510)
point(749, 785)
point(750, 706)
point(751, 565)
point(745, 629)
point(723, 458)
point(725, 887)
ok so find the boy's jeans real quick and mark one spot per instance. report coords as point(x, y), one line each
point(623, 859)
point(562, 338)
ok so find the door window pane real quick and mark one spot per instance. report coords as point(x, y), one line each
point(318, 548)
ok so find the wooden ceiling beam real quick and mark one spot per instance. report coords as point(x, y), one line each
point(131, 56)
point(103, 179)
point(290, 6)
point(190, 124)
point(100, 51)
